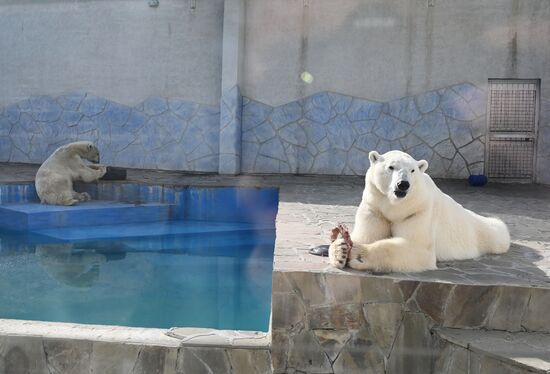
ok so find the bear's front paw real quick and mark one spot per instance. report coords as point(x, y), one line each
point(102, 170)
point(338, 253)
point(84, 196)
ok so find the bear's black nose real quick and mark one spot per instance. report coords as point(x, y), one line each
point(403, 186)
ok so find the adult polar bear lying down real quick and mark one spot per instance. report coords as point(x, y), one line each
point(54, 179)
point(406, 223)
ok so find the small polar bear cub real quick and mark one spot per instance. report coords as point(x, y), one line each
point(406, 223)
point(54, 179)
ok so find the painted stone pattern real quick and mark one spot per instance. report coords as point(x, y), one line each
point(330, 133)
point(158, 133)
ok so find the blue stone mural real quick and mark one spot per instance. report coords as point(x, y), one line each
point(158, 133)
point(329, 133)
point(326, 133)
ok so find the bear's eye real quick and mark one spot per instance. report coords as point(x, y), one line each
point(412, 171)
point(391, 168)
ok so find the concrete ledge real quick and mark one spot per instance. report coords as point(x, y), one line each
point(99, 333)
point(494, 351)
point(199, 337)
point(46, 347)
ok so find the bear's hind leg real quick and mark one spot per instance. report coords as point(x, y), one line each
point(53, 198)
point(66, 199)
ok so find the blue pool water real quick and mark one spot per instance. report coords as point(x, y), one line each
point(176, 272)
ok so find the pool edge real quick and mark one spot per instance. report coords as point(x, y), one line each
point(105, 348)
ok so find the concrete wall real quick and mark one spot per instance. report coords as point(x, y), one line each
point(393, 52)
point(122, 50)
point(387, 74)
point(386, 49)
point(143, 83)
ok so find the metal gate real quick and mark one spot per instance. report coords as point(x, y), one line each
point(512, 119)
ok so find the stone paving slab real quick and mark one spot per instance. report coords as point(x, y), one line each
point(525, 208)
point(310, 205)
point(526, 350)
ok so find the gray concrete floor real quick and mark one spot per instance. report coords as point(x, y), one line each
point(311, 205)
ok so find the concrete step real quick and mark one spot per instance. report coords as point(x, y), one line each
point(35, 216)
point(491, 352)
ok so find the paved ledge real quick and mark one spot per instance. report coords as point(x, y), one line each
point(528, 351)
point(311, 205)
point(202, 337)
point(99, 333)
point(48, 347)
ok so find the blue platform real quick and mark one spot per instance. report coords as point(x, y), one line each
point(35, 216)
point(143, 230)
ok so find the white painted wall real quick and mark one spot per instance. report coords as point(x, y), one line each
point(122, 50)
point(386, 49)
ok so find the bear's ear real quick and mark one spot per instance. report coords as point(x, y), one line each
point(422, 165)
point(374, 157)
point(90, 146)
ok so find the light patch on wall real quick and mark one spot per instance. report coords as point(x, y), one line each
point(306, 77)
point(374, 22)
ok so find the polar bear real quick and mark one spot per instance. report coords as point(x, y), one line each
point(54, 179)
point(406, 223)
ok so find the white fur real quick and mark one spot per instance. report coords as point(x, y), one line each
point(411, 233)
point(54, 179)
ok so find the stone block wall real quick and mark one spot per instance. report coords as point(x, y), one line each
point(157, 133)
point(43, 355)
point(353, 323)
point(330, 133)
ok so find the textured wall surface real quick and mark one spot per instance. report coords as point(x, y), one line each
point(329, 133)
point(157, 133)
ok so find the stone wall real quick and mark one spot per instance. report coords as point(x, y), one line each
point(352, 323)
point(330, 133)
point(49, 347)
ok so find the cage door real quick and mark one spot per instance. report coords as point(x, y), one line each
point(512, 127)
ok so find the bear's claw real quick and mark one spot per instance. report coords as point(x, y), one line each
point(338, 253)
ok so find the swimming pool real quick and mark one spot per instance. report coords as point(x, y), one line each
point(208, 264)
